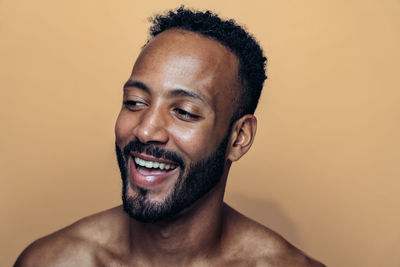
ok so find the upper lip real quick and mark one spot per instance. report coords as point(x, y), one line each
point(151, 158)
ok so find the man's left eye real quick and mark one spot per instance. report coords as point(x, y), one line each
point(186, 115)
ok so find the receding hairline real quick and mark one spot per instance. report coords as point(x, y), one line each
point(238, 87)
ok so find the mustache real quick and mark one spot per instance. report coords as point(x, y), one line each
point(153, 150)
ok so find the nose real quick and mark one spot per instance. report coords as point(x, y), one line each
point(152, 127)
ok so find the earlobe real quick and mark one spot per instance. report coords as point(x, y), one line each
point(244, 131)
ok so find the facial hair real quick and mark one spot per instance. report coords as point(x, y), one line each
point(201, 177)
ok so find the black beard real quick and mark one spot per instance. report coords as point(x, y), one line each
point(201, 177)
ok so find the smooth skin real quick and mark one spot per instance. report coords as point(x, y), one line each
point(181, 96)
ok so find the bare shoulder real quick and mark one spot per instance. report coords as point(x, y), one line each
point(74, 245)
point(260, 246)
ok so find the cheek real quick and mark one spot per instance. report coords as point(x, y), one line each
point(195, 144)
point(123, 128)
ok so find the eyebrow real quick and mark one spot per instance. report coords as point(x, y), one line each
point(187, 93)
point(137, 84)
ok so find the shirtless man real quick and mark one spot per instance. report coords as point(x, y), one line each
point(187, 114)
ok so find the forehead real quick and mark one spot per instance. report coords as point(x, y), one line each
point(187, 59)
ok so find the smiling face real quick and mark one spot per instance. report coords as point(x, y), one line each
point(172, 131)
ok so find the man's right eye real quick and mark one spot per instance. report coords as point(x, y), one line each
point(133, 105)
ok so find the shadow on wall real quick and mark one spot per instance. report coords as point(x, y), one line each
point(267, 213)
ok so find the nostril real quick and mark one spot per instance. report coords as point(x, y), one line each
point(148, 135)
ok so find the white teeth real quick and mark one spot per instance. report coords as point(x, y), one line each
point(149, 164)
point(152, 164)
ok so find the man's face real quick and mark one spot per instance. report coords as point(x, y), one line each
point(172, 131)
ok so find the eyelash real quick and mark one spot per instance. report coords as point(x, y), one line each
point(131, 103)
point(186, 115)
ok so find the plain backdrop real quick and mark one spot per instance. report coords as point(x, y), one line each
point(323, 171)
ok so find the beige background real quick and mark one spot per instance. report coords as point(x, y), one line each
point(324, 170)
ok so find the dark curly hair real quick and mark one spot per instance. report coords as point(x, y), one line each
point(251, 70)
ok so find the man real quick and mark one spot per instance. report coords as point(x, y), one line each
point(187, 114)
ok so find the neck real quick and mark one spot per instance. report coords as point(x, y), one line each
point(194, 233)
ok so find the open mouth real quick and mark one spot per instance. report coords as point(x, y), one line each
point(147, 167)
point(148, 171)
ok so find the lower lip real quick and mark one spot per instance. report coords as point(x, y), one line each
point(148, 181)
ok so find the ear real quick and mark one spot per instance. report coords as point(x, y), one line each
point(242, 136)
